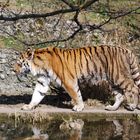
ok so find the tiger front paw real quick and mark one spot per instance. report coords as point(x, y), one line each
point(78, 107)
point(27, 107)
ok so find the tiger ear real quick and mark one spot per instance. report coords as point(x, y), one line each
point(30, 53)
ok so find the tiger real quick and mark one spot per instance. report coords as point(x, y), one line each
point(117, 66)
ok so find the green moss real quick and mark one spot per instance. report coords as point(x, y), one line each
point(10, 42)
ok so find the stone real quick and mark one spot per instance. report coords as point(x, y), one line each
point(1, 70)
point(13, 73)
point(2, 55)
point(3, 61)
point(2, 76)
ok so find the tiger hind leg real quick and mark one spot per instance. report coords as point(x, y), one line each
point(131, 95)
point(75, 94)
point(119, 98)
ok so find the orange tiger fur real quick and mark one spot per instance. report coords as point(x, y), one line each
point(118, 66)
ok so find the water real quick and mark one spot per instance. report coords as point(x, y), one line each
point(93, 129)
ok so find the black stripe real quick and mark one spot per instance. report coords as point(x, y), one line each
point(121, 83)
point(126, 87)
point(104, 64)
point(64, 54)
point(87, 64)
point(99, 55)
point(85, 49)
point(49, 52)
point(75, 61)
point(137, 78)
point(79, 64)
point(60, 50)
point(42, 93)
point(41, 83)
point(63, 75)
point(117, 67)
point(78, 89)
point(132, 60)
point(112, 61)
point(106, 68)
point(135, 72)
point(101, 73)
point(39, 58)
point(109, 66)
point(90, 50)
point(95, 66)
point(47, 74)
point(67, 52)
point(131, 57)
point(96, 51)
point(81, 58)
point(35, 63)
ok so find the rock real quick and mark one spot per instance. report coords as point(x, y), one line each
point(3, 55)
point(3, 61)
point(8, 72)
point(15, 57)
point(9, 84)
point(2, 76)
point(1, 70)
point(13, 73)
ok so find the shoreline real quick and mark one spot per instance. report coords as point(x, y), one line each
point(44, 113)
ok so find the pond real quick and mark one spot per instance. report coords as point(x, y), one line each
point(107, 128)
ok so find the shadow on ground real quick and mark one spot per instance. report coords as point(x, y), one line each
point(54, 100)
point(59, 97)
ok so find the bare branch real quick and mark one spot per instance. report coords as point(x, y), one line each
point(53, 40)
point(57, 12)
point(125, 13)
point(26, 16)
point(76, 19)
point(87, 4)
point(93, 27)
point(68, 3)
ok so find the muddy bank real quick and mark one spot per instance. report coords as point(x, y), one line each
point(48, 113)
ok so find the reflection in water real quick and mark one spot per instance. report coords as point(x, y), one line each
point(118, 128)
point(103, 129)
point(37, 135)
point(73, 128)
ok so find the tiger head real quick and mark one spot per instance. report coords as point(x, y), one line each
point(23, 64)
